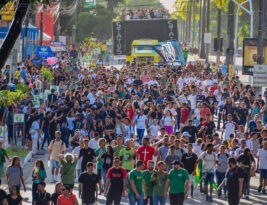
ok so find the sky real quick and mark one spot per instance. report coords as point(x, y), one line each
point(168, 4)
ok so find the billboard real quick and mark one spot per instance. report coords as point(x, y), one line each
point(124, 32)
point(250, 54)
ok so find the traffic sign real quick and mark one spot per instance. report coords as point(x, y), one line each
point(259, 75)
point(44, 52)
point(207, 38)
point(89, 4)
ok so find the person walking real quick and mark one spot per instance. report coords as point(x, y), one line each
point(56, 148)
point(3, 157)
point(234, 180)
point(42, 197)
point(209, 159)
point(177, 184)
point(189, 161)
point(158, 181)
point(88, 185)
point(68, 163)
point(135, 190)
point(67, 197)
point(14, 198)
point(38, 175)
point(116, 183)
point(262, 161)
point(14, 174)
point(147, 174)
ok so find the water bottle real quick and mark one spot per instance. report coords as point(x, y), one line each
point(48, 163)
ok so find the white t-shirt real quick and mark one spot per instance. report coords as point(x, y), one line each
point(229, 128)
point(140, 121)
point(193, 100)
point(154, 130)
point(168, 120)
point(197, 149)
point(208, 161)
point(93, 144)
point(262, 154)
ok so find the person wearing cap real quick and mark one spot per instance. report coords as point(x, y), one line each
point(88, 185)
point(177, 184)
point(234, 180)
point(67, 197)
point(190, 131)
point(41, 197)
point(116, 183)
point(171, 156)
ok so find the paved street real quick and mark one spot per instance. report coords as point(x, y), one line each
point(255, 197)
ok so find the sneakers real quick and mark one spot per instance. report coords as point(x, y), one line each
point(263, 191)
point(259, 188)
point(208, 198)
point(219, 194)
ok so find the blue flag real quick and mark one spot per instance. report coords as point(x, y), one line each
point(170, 51)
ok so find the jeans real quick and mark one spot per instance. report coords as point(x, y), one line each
point(104, 176)
point(157, 199)
point(46, 137)
point(140, 134)
point(1, 170)
point(133, 200)
point(246, 186)
point(220, 177)
point(148, 200)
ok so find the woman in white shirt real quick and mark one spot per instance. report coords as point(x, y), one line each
point(168, 122)
point(141, 122)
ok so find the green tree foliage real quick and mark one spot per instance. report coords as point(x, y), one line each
point(95, 22)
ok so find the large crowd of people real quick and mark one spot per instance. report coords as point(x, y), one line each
point(147, 132)
point(146, 14)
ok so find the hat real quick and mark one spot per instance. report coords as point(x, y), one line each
point(186, 134)
point(85, 139)
point(176, 162)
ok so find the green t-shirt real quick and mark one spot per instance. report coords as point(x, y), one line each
point(177, 180)
point(147, 179)
point(127, 158)
point(159, 187)
point(117, 150)
point(3, 154)
point(137, 176)
point(101, 161)
point(68, 172)
point(41, 173)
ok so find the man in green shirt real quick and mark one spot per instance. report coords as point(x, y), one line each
point(127, 156)
point(147, 174)
point(158, 181)
point(135, 191)
point(178, 182)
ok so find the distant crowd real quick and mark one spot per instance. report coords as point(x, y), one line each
point(146, 14)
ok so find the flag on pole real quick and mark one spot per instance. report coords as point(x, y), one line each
point(170, 51)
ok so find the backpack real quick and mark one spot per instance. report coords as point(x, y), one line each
point(53, 142)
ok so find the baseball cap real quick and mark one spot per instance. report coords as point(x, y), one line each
point(175, 162)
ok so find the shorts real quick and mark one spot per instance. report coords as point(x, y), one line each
point(55, 164)
point(208, 178)
point(191, 179)
point(263, 173)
